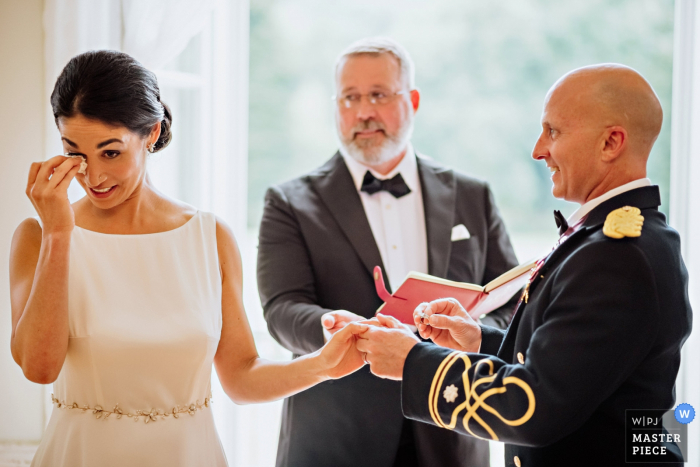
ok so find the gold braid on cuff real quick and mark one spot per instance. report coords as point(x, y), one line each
point(475, 399)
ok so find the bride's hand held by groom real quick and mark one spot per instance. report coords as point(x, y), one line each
point(339, 356)
point(334, 321)
point(385, 342)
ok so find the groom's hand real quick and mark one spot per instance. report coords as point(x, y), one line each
point(384, 347)
point(334, 321)
point(447, 324)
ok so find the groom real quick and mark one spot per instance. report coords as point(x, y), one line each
point(373, 203)
point(598, 333)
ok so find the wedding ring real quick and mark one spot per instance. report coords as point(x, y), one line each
point(364, 357)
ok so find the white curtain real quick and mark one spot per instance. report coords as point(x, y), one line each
point(685, 194)
point(156, 31)
point(152, 31)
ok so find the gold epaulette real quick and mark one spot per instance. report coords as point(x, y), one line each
point(624, 222)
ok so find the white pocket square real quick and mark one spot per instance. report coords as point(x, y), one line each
point(460, 232)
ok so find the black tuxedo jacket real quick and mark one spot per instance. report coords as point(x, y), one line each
point(316, 254)
point(601, 333)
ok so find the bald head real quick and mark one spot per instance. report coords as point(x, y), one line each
point(598, 127)
point(614, 95)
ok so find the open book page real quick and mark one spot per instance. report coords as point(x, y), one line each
point(499, 296)
point(507, 276)
point(510, 275)
point(441, 281)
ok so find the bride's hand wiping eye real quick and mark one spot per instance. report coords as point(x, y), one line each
point(47, 189)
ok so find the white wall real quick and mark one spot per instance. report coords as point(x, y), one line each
point(21, 141)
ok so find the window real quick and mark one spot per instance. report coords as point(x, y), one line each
point(180, 170)
point(483, 69)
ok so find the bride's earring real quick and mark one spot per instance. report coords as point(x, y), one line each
point(151, 148)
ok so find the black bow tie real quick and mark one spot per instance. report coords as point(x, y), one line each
point(396, 186)
point(561, 222)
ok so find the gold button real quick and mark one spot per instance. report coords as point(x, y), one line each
point(521, 359)
point(516, 459)
point(393, 246)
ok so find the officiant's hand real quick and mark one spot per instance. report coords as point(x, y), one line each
point(334, 321)
point(340, 357)
point(448, 325)
point(385, 343)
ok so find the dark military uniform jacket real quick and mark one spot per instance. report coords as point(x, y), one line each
point(601, 332)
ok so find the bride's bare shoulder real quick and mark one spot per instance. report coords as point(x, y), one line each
point(28, 232)
point(224, 234)
point(26, 245)
point(229, 254)
point(176, 212)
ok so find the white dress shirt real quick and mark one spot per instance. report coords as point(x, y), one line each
point(595, 202)
point(398, 225)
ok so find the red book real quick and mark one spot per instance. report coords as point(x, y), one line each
point(476, 299)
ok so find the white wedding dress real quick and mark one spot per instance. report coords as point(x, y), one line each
point(145, 322)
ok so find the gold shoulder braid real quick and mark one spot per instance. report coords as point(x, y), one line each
point(624, 222)
point(148, 416)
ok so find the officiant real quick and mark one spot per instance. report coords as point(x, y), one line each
point(375, 202)
point(600, 327)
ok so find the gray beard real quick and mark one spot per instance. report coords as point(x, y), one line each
point(375, 155)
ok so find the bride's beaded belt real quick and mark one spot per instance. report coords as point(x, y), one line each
point(148, 416)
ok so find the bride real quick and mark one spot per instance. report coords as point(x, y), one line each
point(124, 299)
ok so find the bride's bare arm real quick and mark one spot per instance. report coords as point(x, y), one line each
point(39, 273)
point(245, 376)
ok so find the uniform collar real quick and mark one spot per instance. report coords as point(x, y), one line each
point(646, 197)
point(408, 168)
point(581, 212)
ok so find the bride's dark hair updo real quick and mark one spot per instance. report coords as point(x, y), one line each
point(114, 88)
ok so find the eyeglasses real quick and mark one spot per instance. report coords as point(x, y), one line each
point(353, 100)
